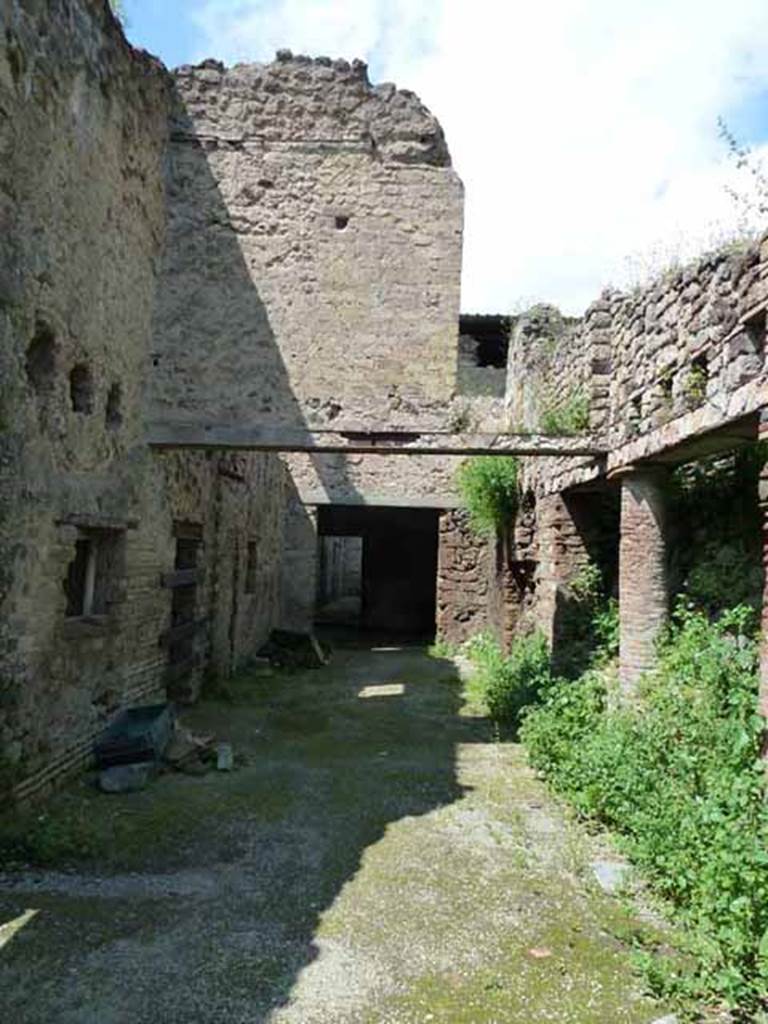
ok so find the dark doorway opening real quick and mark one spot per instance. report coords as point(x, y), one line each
point(340, 581)
point(395, 550)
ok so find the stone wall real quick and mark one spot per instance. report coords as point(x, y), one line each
point(90, 519)
point(427, 481)
point(463, 570)
point(551, 365)
point(312, 275)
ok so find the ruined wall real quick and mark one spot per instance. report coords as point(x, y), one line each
point(312, 275)
point(551, 365)
point(465, 562)
point(427, 481)
point(697, 333)
point(83, 134)
point(674, 371)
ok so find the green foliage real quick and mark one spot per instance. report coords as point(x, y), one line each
point(47, 839)
point(695, 386)
point(568, 417)
point(721, 570)
point(724, 573)
point(441, 649)
point(488, 485)
point(510, 683)
point(588, 624)
point(679, 777)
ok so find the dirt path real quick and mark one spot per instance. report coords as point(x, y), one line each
point(378, 859)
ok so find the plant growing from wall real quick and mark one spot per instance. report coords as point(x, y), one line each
point(568, 417)
point(490, 491)
point(695, 387)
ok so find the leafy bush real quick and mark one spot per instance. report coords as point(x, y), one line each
point(679, 777)
point(509, 683)
point(488, 485)
point(724, 573)
point(568, 417)
point(588, 624)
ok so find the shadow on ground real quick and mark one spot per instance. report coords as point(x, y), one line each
point(377, 857)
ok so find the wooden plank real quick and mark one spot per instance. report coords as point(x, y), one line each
point(181, 669)
point(169, 434)
point(187, 531)
point(182, 632)
point(181, 578)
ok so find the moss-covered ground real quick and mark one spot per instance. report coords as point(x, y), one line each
point(374, 858)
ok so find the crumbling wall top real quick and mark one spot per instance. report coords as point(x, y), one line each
point(314, 101)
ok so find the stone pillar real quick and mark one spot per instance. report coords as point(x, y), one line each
point(643, 588)
point(462, 579)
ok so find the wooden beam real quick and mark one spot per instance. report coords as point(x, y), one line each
point(185, 631)
point(181, 578)
point(167, 434)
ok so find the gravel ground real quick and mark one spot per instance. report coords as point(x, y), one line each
point(376, 858)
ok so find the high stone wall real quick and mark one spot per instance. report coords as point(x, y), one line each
point(83, 138)
point(312, 270)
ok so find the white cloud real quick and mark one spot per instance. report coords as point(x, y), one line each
point(584, 130)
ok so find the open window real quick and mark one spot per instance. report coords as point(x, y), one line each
point(94, 573)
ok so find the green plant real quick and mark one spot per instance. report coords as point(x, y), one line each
point(489, 489)
point(718, 571)
point(510, 683)
point(679, 777)
point(570, 416)
point(695, 386)
point(441, 649)
point(588, 624)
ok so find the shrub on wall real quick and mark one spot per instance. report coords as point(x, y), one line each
point(489, 489)
point(568, 417)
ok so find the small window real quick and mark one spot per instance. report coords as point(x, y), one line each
point(697, 381)
point(81, 389)
point(755, 328)
point(251, 568)
point(113, 415)
point(94, 573)
point(41, 359)
point(342, 222)
point(187, 550)
point(666, 383)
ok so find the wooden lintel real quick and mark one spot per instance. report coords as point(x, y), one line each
point(182, 632)
point(96, 521)
point(180, 669)
point(181, 578)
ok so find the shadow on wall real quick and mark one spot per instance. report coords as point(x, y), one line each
point(338, 761)
point(210, 323)
point(595, 516)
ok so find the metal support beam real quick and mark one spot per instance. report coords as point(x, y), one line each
point(166, 434)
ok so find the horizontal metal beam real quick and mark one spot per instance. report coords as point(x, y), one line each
point(347, 497)
point(167, 434)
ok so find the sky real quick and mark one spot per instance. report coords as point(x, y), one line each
point(585, 131)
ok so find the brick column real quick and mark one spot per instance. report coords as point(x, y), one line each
point(643, 588)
